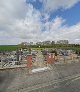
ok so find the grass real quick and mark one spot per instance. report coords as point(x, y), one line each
point(8, 47)
point(15, 47)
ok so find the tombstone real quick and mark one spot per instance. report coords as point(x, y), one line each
point(17, 55)
point(0, 59)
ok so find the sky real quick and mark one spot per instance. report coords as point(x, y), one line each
point(39, 20)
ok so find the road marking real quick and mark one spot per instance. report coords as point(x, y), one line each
point(72, 81)
point(35, 87)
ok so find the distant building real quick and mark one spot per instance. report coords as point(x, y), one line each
point(53, 42)
point(46, 42)
point(27, 43)
point(31, 43)
point(39, 43)
point(62, 42)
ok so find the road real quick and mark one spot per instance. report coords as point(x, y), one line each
point(61, 78)
point(67, 85)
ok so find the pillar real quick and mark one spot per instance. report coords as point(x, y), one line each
point(29, 61)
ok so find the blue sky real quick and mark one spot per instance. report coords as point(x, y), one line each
point(39, 20)
point(71, 15)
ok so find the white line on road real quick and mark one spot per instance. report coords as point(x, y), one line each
point(49, 83)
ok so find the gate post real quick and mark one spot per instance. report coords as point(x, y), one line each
point(29, 62)
point(50, 58)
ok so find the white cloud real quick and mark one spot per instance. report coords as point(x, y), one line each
point(52, 5)
point(26, 28)
point(55, 30)
point(10, 11)
point(30, 27)
point(22, 22)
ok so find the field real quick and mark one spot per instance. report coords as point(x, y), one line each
point(8, 47)
point(36, 47)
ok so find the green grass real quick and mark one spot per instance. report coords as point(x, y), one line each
point(8, 47)
point(15, 47)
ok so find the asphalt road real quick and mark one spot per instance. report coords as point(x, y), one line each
point(61, 78)
point(70, 85)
